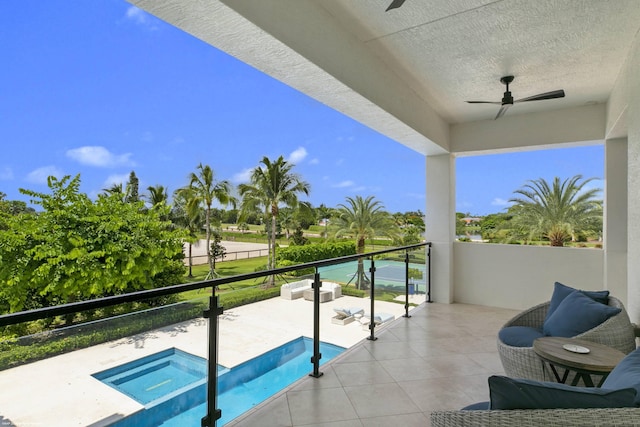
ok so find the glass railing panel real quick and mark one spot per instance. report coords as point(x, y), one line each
point(125, 357)
point(109, 361)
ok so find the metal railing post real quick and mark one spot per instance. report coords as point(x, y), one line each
point(406, 284)
point(315, 359)
point(429, 272)
point(213, 413)
point(372, 323)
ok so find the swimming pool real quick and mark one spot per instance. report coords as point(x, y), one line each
point(239, 388)
point(155, 376)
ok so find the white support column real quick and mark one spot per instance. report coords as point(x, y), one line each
point(615, 217)
point(440, 224)
point(633, 185)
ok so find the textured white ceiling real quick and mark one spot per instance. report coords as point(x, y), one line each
point(452, 51)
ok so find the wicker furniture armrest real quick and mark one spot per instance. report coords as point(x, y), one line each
point(620, 417)
point(532, 317)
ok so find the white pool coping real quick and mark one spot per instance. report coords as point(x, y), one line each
point(60, 391)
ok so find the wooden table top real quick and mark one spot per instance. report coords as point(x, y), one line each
point(600, 358)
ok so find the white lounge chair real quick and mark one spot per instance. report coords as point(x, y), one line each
point(345, 316)
point(379, 318)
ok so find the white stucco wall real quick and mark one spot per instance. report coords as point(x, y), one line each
point(518, 277)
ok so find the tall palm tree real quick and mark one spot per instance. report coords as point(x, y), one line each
point(324, 213)
point(191, 221)
point(272, 184)
point(363, 219)
point(558, 210)
point(202, 191)
point(157, 194)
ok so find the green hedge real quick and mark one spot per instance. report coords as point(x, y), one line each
point(315, 252)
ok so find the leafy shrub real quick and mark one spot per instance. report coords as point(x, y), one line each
point(315, 252)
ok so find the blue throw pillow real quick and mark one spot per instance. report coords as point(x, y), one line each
point(576, 314)
point(479, 406)
point(560, 292)
point(626, 374)
point(519, 336)
point(512, 393)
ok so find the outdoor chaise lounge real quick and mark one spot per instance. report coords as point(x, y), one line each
point(378, 318)
point(345, 316)
point(515, 340)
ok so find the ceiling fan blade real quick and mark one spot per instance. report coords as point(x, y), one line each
point(395, 4)
point(503, 110)
point(484, 102)
point(547, 95)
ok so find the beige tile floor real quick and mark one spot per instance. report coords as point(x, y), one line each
point(439, 358)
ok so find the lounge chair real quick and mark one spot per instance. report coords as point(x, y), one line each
point(345, 316)
point(378, 318)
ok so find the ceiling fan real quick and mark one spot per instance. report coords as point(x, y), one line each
point(507, 99)
point(395, 4)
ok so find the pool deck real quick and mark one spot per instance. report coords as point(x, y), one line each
point(60, 391)
point(439, 359)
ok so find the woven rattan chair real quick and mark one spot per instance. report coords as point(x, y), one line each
point(620, 417)
point(522, 362)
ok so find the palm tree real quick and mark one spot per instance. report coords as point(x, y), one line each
point(191, 221)
point(324, 214)
point(363, 219)
point(157, 194)
point(203, 190)
point(558, 210)
point(272, 184)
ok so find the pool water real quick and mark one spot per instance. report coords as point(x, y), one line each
point(152, 377)
point(239, 388)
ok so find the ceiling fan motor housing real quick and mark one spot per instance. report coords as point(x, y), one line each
point(507, 98)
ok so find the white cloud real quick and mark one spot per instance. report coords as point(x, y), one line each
point(99, 156)
point(500, 202)
point(339, 162)
point(242, 176)
point(344, 184)
point(297, 155)
point(314, 161)
point(116, 179)
point(6, 174)
point(40, 175)
point(141, 18)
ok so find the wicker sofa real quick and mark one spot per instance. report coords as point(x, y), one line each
point(620, 417)
point(522, 362)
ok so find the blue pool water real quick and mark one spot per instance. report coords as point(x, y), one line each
point(152, 377)
point(239, 388)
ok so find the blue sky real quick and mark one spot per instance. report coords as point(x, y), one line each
point(101, 88)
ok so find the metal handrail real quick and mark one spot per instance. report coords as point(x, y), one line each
point(76, 307)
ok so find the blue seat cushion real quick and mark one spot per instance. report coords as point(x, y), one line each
point(577, 313)
point(480, 406)
point(512, 393)
point(560, 292)
point(519, 336)
point(626, 374)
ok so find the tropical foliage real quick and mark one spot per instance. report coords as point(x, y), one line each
point(557, 211)
point(202, 191)
point(76, 249)
point(361, 219)
point(273, 183)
